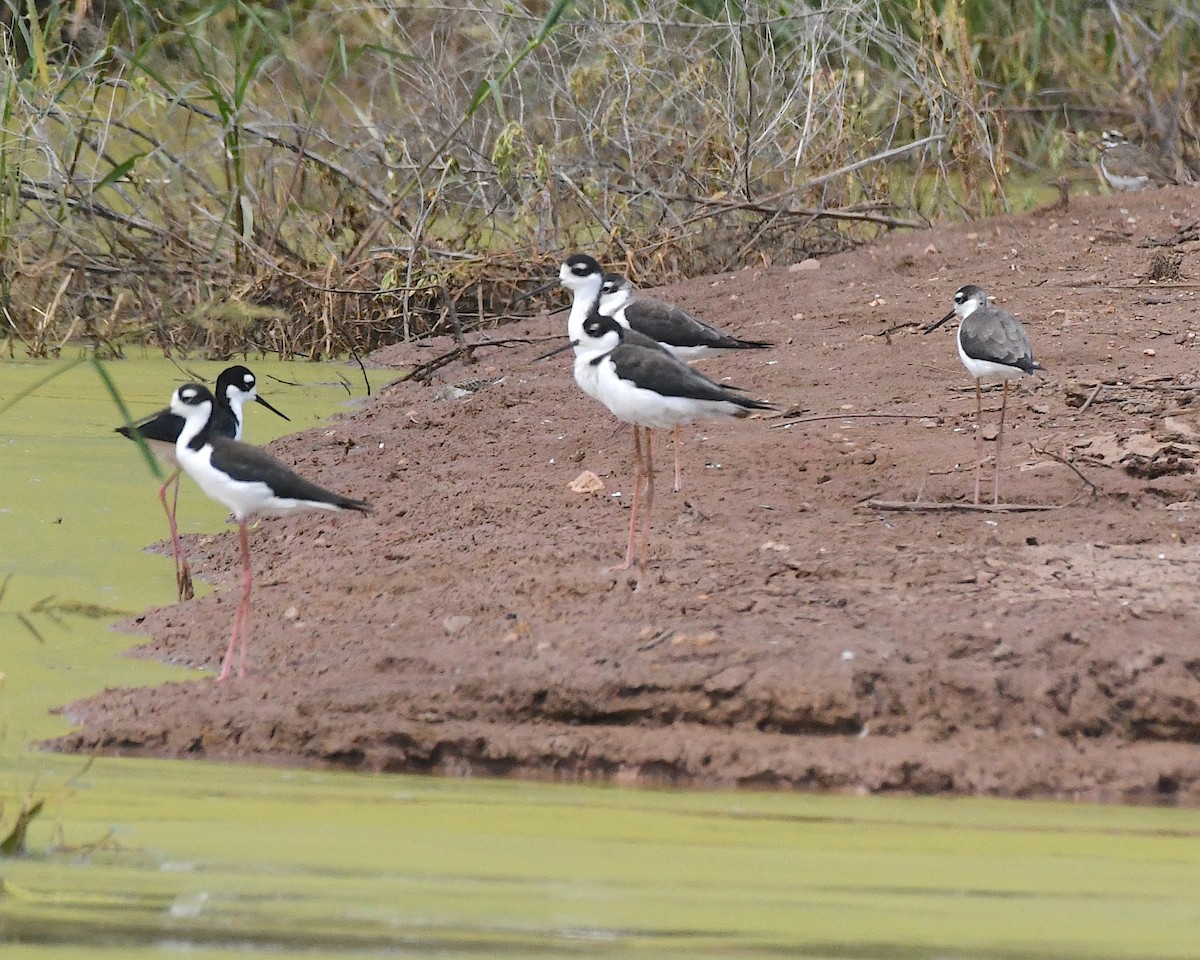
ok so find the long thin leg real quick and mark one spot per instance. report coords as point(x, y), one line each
point(999, 444)
point(183, 576)
point(678, 470)
point(649, 507)
point(978, 436)
point(183, 573)
point(637, 493)
point(244, 607)
point(243, 612)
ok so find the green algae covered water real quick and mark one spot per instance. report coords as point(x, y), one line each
point(137, 859)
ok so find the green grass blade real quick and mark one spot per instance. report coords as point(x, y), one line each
point(492, 85)
point(147, 453)
point(117, 172)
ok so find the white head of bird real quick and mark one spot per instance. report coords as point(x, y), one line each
point(583, 276)
point(598, 336)
point(615, 292)
point(194, 403)
point(967, 300)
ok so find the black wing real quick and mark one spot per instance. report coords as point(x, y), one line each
point(163, 426)
point(668, 323)
point(657, 370)
point(252, 464)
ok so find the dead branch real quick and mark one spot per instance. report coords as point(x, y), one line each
point(855, 416)
point(1058, 458)
point(719, 205)
point(933, 506)
point(467, 350)
point(1091, 396)
point(898, 326)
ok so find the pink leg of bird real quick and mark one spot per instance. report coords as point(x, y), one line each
point(678, 471)
point(637, 492)
point(978, 437)
point(183, 576)
point(999, 443)
point(242, 616)
point(183, 573)
point(648, 508)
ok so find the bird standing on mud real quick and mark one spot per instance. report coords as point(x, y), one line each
point(993, 346)
point(650, 389)
point(235, 387)
point(1130, 168)
point(669, 326)
point(247, 480)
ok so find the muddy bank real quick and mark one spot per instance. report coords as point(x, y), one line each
point(791, 632)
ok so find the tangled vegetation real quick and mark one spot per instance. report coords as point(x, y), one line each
point(308, 178)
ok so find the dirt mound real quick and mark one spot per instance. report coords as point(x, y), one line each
point(791, 631)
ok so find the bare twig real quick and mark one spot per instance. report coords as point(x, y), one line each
point(1058, 458)
point(716, 206)
point(426, 370)
point(932, 506)
point(855, 416)
point(899, 326)
point(1091, 396)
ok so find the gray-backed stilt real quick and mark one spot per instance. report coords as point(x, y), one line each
point(992, 345)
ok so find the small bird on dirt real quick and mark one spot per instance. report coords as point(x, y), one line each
point(672, 326)
point(248, 481)
point(649, 388)
point(993, 346)
point(1128, 167)
point(235, 387)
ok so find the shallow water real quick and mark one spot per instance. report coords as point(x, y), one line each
point(152, 859)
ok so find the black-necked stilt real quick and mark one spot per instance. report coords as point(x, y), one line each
point(584, 277)
point(248, 481)
point(235, 387)
point(1128, 167)
point(665, 327)
point(992, 345)
point(672, 326)
point(651, 389)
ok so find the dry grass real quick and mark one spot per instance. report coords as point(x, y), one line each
point(326, 176)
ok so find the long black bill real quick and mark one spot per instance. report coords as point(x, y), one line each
point(533, 293)
point(259, 399)
point(555, 352)
point(930, 329)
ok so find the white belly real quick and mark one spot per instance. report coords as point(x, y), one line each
point(988, 371)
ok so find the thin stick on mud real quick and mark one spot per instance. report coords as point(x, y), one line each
point(426, 370)
point(898, 326)
point(1058, 458)
point(932, 506)
point(856, 416)
point(1091, 396)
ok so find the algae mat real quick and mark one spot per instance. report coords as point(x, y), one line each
point(155, 857)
